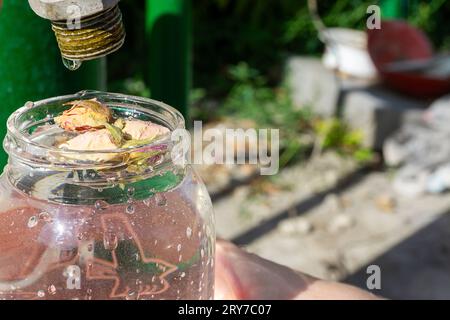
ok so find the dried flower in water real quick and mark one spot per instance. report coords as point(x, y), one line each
point(143, 130)
point(84, 115)
point(97, 132)
point(100, 140)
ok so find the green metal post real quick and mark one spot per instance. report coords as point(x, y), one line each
point(30, 63)
point(394, 9)
point(168, 38)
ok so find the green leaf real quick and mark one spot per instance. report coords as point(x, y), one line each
point(116, 133)
point(137, 143)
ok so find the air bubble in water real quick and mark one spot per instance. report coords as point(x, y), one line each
point(188, 232)
point(41, 293)
point(32, 222)
point(72, 65)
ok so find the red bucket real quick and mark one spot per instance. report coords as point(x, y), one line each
point(397, 41)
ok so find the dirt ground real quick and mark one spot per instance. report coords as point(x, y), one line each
point(330, 219)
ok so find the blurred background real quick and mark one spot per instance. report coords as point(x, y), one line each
point(364, 159)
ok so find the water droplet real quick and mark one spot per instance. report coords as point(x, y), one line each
point(29, 104)
point(131, 191)
point(32, 222)
point(188, 232)
point(183, 274)
point(110, 241)
point(72, 65)
point(52, 290)
point(41, 293)
point(160, 200)
point(130, 209)
point(100, 205)
point(131, 295)
point(45, 216)
point(202, 253)
point(179, 248)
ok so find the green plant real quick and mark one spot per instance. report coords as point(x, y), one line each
point(336, 135)
point(264, 33)
point(429, 16)
point(251, 98)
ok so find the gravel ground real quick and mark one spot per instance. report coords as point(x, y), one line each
point(335, 232)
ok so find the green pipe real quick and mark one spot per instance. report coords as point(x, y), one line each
point(30, 63)
point(394, 9)
point(168, 39)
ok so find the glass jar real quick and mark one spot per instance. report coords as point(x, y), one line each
point(75, 227)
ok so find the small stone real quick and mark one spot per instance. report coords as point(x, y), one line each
point(340, 222)
point(332, 203)
point(386, 203)
point(296, 226)
point(303, 226)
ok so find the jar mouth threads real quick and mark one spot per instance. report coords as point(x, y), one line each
point(91, 37)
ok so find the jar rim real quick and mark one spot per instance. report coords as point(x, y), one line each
point(28, 149)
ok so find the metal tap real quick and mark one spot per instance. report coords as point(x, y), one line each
point(84, 29)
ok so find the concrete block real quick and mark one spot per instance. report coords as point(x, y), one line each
point(311, 86)
point(365, 105)
point(378, 113)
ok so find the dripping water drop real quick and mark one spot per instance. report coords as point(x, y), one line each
point(72, 65)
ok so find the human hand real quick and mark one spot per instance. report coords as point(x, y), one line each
point(244, 276)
